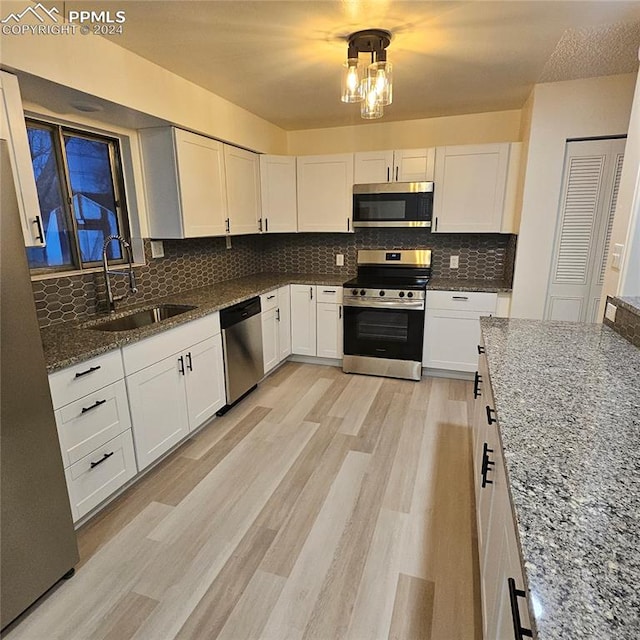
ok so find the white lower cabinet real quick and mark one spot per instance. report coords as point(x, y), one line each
point(171, 395)
point(316, 321)
point(276, 327)
point(303, 319)
point(452, 328)
point(498, 548)
point(94, 430)
point(95, 477)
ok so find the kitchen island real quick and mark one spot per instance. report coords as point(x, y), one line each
point(567, 398)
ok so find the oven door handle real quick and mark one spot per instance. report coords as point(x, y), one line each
point(385, 304)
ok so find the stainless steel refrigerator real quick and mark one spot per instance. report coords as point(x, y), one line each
point(37, 540)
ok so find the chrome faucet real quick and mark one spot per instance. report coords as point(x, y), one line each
point(111, 299)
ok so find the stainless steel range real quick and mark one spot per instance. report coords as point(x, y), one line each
point(384, 309)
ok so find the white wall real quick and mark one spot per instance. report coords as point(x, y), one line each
point(626, 224)
point(475, 128)
point(561, 110)
point(101, 68)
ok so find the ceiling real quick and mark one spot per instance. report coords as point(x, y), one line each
point(281, 59)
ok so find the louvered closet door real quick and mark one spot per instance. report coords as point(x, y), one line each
point(590, 187)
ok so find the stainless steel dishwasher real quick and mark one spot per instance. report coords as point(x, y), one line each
point(242, 344)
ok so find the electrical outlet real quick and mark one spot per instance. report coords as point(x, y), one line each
point(454, 262)
point(339, 260)
point(157, 249)
point(610, 312)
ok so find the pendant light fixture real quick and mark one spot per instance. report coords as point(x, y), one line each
point(371, 86)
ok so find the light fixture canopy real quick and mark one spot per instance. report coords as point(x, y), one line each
point(373, 87)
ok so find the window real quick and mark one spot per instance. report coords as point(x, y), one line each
point(80, 190)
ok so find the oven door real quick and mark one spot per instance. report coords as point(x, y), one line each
point(384, 333)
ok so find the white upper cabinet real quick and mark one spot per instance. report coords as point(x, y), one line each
point(475, 188)
point(185, 183)
point(278, 191)
point(325, 192)
point(242, 170)
point(401, 165)
point(14, 131)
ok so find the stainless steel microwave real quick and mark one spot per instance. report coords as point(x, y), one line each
point(393, 204)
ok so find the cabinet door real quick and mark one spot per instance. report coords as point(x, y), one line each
point(14, 131)
point(205, 380)
point(284, 323)
point(158, 404)
point(470, 191)
point(414, 165)
point(451, 339)
point(303, 319)
point(201, 183)
point(270, 339)
point(242, 169)
point(279, 194)
point(325, 192)
point(373, 166)
point(329, 338)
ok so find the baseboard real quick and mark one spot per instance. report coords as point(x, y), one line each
point(330, 362)
point(447, 373)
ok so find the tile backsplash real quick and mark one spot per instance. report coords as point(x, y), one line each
point(627, 322)
point(199, 262)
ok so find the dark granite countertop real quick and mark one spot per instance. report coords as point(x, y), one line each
point(630, 303)
point(460, 284)
point(71, 342)
point(568, 404)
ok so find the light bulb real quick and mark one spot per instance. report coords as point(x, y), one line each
point(381, 74)
point(352, 81)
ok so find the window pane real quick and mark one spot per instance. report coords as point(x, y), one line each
point(93, 196)
point(57, 253)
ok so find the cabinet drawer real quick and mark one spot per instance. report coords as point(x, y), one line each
point(151, 350)
point(269, 300)
point(88, 423)
point(85, 377)
point(114, 464)
point(329, 294)
point(462, 300)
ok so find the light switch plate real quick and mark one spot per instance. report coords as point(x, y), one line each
point(339, 260)
point(157, 249)
point(616, 256)
point(454, 262)
point(610, 312)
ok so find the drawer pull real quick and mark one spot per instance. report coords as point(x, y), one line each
point(519, 632)
point(486, 465)
point(490, 418)
point(480, 350)
point(476, 385)
point(328, 291)
point(459, 297)
point(95, 405)
point(89, 370)
point(104, 457)
point(271, 297)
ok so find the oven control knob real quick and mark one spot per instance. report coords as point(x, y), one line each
point(355, 292)
point(401, 294)
point(362, 292)
point(409, 295)
point(382, 293)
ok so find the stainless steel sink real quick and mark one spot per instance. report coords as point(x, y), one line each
point(141, 318)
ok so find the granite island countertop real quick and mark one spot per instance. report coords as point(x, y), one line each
point(71, 342)
point(568, 405)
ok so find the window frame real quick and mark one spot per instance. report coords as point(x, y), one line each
point(58, 132)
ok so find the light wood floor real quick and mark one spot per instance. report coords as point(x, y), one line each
point(324, 506)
